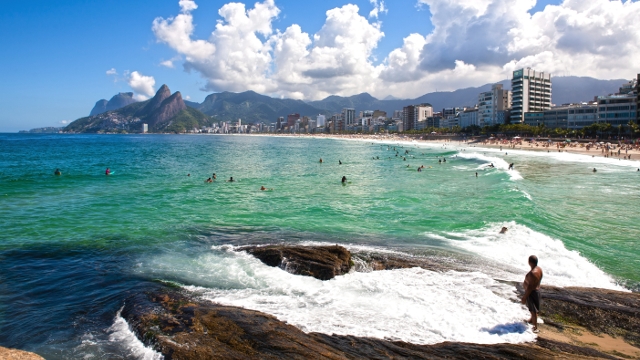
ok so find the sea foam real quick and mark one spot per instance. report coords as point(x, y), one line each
point(121, 334)
point(562, 267)
point(499, 163)
point(413, 305)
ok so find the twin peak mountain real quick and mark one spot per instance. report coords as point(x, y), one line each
point(165, 112)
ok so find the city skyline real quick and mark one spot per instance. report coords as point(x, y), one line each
point(69, 54)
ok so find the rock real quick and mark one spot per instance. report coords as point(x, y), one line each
point(321, 262)
point(611, 312)
point(13, 354)
point(99, 107)
point(156, 101)
point(183, 328)
point(167, 109)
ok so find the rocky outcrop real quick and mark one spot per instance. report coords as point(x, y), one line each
point(321, 262)
point(169, 108)
point(118, 101)
point(99, 107)
point(180, 327)
point(13, 354)
point(600, 311)
point(156, 101)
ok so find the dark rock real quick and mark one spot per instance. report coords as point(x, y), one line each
point(611, 312)
point(156, 101)
point(119, 101)
point(321, 262)
point(183, 328)
point(167, 110)
point(99, 107)
point(377, 261)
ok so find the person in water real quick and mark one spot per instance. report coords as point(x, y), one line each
point(594, 170)
point(107, 172)
point(320, 160)
point(208, 180)
point(476, 174)
point(532, 291)
point(230, 179)
point(344, 180)
point(339, 162)
point(188, 174)
point(262, 188)
point(504, 230)
point(57, 172)
point(214, 176)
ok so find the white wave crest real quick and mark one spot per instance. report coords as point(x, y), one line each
point(121, 334)
point(562, 267)
point(499, 163)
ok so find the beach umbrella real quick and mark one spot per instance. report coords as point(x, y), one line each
point(568, 140)
point(517, 137)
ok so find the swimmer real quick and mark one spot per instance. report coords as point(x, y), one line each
point(404, 159)
point(214, 176)
point(419, 169)
point(504, 230)
point(339, 162)
point(594, 170)
point(344, 180)
point(230, 179)
point(208, 180)
point(188, 174)
point(476, 174)
point(439, 161)
point(57, 172)
point(107, 172)
point(262, 188)
point(320, 160)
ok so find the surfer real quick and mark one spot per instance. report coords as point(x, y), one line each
point(57, 172)
point(511, 166)
point(532, 291)
point(107, 172)
point(504, 230)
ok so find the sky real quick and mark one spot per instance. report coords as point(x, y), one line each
point(60, 57)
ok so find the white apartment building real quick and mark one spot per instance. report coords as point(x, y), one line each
point(531, 92)
point(321, 120)
point(349, 116)
point(490, 103)
point(468, 117)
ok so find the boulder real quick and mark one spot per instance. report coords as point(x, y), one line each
point(13, 354)
point(321, 262)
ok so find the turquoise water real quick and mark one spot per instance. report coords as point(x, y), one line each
point(72, 247)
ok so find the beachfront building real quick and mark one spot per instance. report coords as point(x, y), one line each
point(468, 117)
point(617, 109)
point(582, 115)
point(414, 117)
point(408, 116)
point(570, 116)
point(145, 128)
point(321, 120)
point(531, 93)
point(492, 105)
point(638, 100)
point(291, 120)
point(280, 123)
point(349, 116)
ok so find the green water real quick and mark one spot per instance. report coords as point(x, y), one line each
point(585, 224)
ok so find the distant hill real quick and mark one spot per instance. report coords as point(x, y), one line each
point(165, 112)
point(117, 102)
point(253, 107)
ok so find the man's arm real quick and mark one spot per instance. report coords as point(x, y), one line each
point(529, 282)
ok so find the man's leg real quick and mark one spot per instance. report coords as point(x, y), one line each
point(534, 320)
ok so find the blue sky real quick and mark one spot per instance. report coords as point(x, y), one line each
point(56, 53)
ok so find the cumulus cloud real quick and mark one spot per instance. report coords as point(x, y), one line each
point(64, 122)
point(142, 85)
point(167, 63)
point(378, 8)
point(473, 42)
point(112, 71)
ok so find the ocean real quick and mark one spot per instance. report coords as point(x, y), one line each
point(74, 247)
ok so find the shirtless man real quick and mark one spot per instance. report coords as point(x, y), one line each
point(532, 291)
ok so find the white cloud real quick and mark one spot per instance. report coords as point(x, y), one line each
point(64, 122)
point(473, 42)
point(112, 71)
point(142, 85)
point(378, 8)
point(167, 63)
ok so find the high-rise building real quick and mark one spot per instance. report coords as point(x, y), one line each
point(321, 119)
point(468, 117)
point(291, 119)
point(617, 109)
point(531, 93)
point(349, 116)
point(397, 114)
point(279, 123)
point(491, 104)
point(408, 117)
point(145, 128)
point(638, 100)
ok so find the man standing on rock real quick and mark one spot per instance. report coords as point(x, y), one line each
point(532, 291)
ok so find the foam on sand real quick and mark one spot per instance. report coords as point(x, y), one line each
point(413, 305)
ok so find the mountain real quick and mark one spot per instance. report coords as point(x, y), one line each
point(253, 107)
point(165, 112)
point(117, 101)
